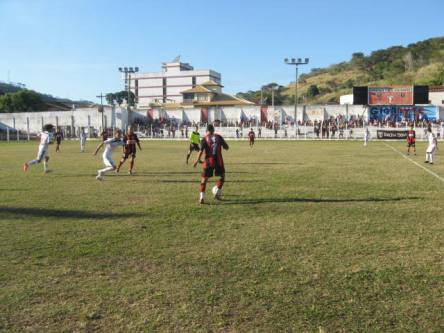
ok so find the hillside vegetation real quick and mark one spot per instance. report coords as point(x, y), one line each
point(418, 63)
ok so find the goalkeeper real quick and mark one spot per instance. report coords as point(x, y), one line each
point(194, 142)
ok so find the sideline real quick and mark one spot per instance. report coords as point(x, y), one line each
point(414, 162)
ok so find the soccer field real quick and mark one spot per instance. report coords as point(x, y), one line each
point(310, 236)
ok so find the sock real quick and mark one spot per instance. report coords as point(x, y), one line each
point(45, 166)
point(220, 183)
point(431, 158)
point(203, 186)
point(131, 165)
point(33, 162)
point(201, 195)
point(105, 170)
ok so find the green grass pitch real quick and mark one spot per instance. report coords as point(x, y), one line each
point(311, 236)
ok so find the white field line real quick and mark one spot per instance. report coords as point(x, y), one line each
point(416, 163)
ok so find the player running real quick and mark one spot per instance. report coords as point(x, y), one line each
point(194, 142)
point(129, 149)
point(433, 146)
point(251, 136)
point(212, 145)
point(42, 155)
point(110, 145)
point(411, 140)
point(58, 137)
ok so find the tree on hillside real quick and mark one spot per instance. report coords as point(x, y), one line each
point(22, 101)
point(312, 91)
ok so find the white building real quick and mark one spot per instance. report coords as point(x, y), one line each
point(436, 96)
point(166, 86)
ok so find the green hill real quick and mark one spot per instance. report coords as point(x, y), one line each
point(418, 63)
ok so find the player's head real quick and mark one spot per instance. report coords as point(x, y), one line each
point(117, 134)
point(429, 129)
point(210, 129)
point(411, 127)
point(197, 128)
point(48, 127)
point(130, 130)
point(251, 129)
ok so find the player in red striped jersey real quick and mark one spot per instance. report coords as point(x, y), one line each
point(129, 150)
point(212, 145)
point(411, 140)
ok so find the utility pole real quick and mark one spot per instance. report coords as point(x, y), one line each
point(128, 71)
point(101, 110)
point(296, 62)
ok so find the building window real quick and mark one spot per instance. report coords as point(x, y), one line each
point(194, 81)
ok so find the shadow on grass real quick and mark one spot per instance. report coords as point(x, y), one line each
point(312, 200)
point(19, 212)
point(197, 181)
point(258, 163)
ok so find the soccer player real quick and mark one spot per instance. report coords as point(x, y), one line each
point(194, 142)
point(129, 149)
point(433, 146)
point(411, 140)
point(251, 136)
point(110, 145)
point(58, 137)
point(82, 141)
point(212, 145)
point(42, 155)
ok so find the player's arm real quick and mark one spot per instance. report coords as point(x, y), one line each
point(224, 144)
point(198, 160)
point(98, 148)
point(199, 156)
point(138, 142)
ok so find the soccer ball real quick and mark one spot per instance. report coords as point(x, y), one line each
point(216, 191)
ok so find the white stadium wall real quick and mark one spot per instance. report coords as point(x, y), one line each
point(80, 118)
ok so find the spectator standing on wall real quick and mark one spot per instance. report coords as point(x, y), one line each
point(259, 132)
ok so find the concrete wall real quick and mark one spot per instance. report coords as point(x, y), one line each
point(80, 118)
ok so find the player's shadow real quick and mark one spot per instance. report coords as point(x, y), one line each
point(196, 172)
point(311, 200)
point(257, 163)
point(197, 181)
point(20, 212)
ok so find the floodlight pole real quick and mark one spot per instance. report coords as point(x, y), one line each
point(296, 63)
point(128, 71)
point(101, 108)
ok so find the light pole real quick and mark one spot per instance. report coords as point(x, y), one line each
point(128, 71)
point(101, 108)
point(296, 63)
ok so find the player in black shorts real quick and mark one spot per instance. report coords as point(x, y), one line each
point(194, 142)
point(213, 164)
point(58, 137)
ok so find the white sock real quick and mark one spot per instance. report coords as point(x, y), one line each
point(33, 162)
point(431, 158)
point(45, 166)
point(105, 170)
point(201, 195)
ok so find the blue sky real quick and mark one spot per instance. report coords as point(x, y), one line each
point(73, 48)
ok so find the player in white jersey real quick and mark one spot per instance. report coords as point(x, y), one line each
point(82, 141)
point(432, 147)
point(42, 155)
point(366, 136)
point(110, 145)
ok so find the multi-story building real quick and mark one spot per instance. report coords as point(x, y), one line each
point(167, 86)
